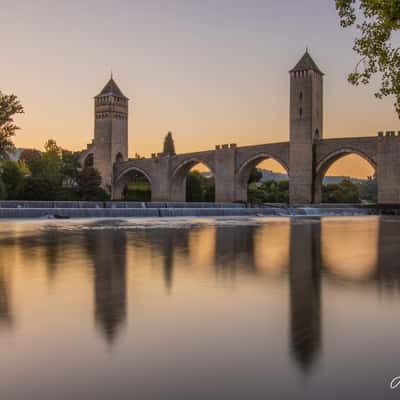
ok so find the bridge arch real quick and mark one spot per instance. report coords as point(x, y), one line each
point(125, 177)
point(179, 175)
point(326, 162)
point(244, 171)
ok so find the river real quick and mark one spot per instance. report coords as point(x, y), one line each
point(200, 308)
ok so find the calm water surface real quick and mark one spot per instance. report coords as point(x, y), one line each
point(200, 309)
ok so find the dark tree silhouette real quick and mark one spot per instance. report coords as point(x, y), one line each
point(378, 22)
point(9, 106)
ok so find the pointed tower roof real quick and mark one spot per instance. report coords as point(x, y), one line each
point(306, 63)
point(112, 88)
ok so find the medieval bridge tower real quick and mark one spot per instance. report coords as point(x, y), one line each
point(110, 131)
point(306, 107)
point(307, 156)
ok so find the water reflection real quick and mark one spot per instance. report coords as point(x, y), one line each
point(271, 248)
point(350, 251)
point(185, 266)
point(305, 294)
point(234, 251)
point(387, 274)
point(108, 255)
point(6, 312)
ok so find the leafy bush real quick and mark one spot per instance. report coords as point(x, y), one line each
point(3, 190)
point(89, 185)
point(199, 188)
point(343, 192)
point(13, 176)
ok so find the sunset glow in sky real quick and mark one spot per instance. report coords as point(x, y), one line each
point(210, 71)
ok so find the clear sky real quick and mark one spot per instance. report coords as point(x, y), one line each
point(211, 71)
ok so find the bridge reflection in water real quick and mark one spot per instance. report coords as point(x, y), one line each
point(139, 276)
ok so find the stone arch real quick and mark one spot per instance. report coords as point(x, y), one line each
point(123, 179)
point(327, 161)
point(244, 170)
point(179, 174)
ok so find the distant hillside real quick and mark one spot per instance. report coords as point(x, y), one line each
point(338, 179)
point(268, 175)
point(276, 176)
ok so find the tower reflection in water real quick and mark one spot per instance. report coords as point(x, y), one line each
point(6, 313)
point(304, 253)
point(108, 254)
point(305, 294)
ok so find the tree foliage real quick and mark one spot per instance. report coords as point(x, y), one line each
point(89, 185)
point(138, 189)
point(54, 174)
point(47, 170)
point(255, 175)
point(199, 188)
point(377, 21)
point(169, 145)
point(343, 192)
point(9, 107)
point(13, 177)
point(268, 192)
point(369, 190)
point(3, 191)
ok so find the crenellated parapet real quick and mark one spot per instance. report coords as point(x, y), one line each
point(231, 146)
point(388, 134)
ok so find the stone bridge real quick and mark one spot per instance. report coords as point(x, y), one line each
point(306, 156)
point(231, 167)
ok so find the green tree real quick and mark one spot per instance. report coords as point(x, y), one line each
point(276, 192)
point(269, 192)
point(139, 188)
point(169, 145)
point(377, 21)
point(255, 175)
point(194, 186)
point(369, 190)
point(9, 107)
point(199, 187)
point(209, 189)
point(255, 194)
point(69, 167)
point(45, 182)
point(39, 188)
point(13, 177)
point(89, 185)
point(51, 147)
point(343, 192)
point(3, 191)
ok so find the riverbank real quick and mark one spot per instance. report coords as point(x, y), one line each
point(43, 209)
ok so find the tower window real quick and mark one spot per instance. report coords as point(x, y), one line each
point(301, 96)
point(317, 133)
point(300, 111)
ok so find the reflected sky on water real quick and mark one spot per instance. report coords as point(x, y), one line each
point(199, 308)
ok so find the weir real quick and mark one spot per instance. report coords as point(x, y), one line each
point(24, 210)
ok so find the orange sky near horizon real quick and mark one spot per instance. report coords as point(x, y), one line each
point(210, 73)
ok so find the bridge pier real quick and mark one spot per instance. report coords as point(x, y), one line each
point(225, 162)
point(388, 168)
